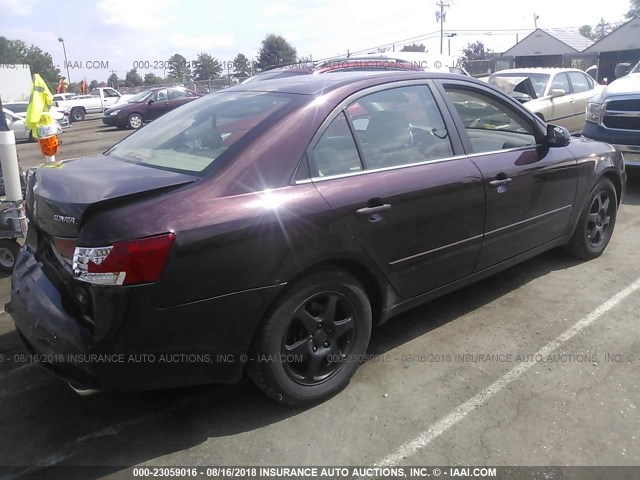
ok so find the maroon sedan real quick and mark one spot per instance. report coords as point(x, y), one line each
point(268, 227)
point(146, 106)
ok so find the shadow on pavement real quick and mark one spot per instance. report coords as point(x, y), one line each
point(47, 424)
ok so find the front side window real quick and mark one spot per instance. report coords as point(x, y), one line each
point(399, 126)
point(161, 95)
point(191, 138)
point(561, 82)
point(490, 125)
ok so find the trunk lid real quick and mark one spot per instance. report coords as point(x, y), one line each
point(59, 198)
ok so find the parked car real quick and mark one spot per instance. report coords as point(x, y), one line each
point(147, 105)
point(613, 116)
point(268, 227)
point(58, 114)
point(98, 100)
point(557, 95)
point(17, 124)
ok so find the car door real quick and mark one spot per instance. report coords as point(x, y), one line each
point(159, 105)
point(563, 107)
point(529, 189)
point(110, 98)
point(15, 123)
point(583, 88)
point(386, 166)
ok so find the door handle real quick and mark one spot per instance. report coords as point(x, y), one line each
point(366, 211)
point(499, 182)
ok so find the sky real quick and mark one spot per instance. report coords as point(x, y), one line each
point(116, 35)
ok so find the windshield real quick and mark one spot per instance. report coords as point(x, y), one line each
point(191, 138)
point(538, 80)
point(17, 107)
point(140, 97)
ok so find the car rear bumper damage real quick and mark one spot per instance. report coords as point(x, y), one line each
point(147, 348)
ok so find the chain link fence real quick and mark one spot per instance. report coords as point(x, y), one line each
point(200, 86)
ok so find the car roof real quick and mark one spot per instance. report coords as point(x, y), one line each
point(538, 70)
point(318, 84)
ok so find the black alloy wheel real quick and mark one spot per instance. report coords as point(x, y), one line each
point(312, 342)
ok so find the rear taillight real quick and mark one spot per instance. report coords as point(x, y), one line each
point(124, 263)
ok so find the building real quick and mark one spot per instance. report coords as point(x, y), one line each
point(618, 52)
point(549, 48)
point(15, 82)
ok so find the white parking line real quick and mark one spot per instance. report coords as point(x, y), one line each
point(473, 403)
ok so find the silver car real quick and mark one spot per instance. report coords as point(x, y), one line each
point(16, 123)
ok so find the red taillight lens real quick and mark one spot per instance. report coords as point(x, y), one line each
point(65, 246)
point(125, 263)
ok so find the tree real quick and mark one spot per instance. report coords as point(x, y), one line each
point(475, 51)
point(17, 52)
point(206, 67)
point(414, 48)
point(93, 84)
point(179, 68)
point(587, 31)
point(132, 79)
point(151, 79)
point(602, 29)
point(275, 50)
point(634, 9)
point(241, 66)
point(114, 81)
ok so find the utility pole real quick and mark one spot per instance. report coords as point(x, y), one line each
point(441, 17)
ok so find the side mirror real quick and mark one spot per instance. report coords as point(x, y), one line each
point(557, 92)
point(150, 101)
point(558, 136)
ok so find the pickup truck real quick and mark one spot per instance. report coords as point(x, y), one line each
point(98, 100)
point(613, 116)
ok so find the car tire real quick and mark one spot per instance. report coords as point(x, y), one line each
point(9, 250)
point(312, 342)
point(135, 121)
point(596, 222)
point(77, 114)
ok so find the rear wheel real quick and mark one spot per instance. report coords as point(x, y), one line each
point(312, 343)
point(596, 222)
point(134, 121)
point(77, 114)
point(9, 250)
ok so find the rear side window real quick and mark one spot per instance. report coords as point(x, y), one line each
point(580, 82)
point(490, 125)
point(193, 137)
point(399, 126)
point(336, 152)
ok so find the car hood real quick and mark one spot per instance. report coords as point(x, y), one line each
point(59, 198)
point(629, 84)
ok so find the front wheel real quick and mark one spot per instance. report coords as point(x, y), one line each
point(134, 121)
point(310, 346)
point(596, 222)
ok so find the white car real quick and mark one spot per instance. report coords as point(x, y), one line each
point(557, 95)
point(16, 123)
point(59, 114)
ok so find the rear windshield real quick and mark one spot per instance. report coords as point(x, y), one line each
point(191, 138)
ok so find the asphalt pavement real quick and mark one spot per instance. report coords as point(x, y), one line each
point(538, 365)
